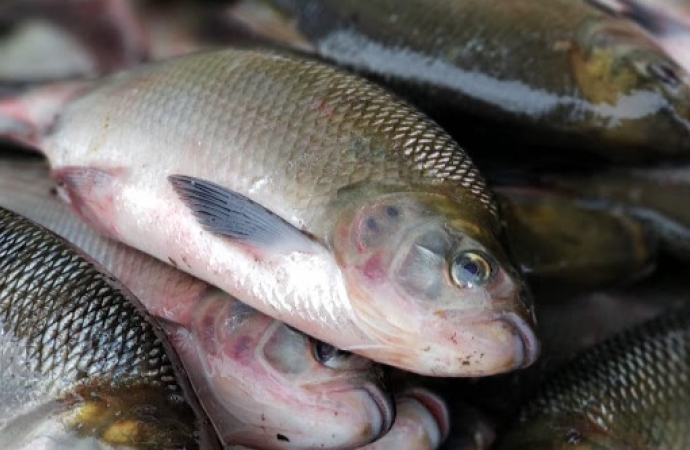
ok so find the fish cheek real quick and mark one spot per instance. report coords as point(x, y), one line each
point(421, 273)
point(287, 352)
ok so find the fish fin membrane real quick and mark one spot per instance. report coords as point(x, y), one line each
point(230, 214)
point(90, 192)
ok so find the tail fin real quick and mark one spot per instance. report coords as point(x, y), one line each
point(28, 110)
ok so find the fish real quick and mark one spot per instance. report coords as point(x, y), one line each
point(564, 242)
point(628, 392)
point(251, 373)
point(558, 74)
point(314, 196)
point(655, 196)
point(81, 366)
point(53, 39)
point(667, 22)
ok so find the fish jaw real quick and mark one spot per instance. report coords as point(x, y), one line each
point(421, 423)
point(234, 355)
point(487, 346)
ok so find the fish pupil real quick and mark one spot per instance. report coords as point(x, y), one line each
point(324, 352)
point(372, 225)
point(472, 268)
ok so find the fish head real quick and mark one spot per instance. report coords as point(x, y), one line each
point(267, 383)
point(436, 289)
point(627, 78)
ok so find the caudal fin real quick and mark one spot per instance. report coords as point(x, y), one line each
point(29, 110)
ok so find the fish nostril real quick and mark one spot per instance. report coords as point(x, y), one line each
point(528, 338)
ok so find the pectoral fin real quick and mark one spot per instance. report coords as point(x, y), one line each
point(228, 213)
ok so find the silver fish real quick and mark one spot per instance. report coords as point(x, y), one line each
point(314, 196)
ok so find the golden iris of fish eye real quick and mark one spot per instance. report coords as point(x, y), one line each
point(471, 269)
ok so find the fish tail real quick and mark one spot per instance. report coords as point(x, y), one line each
point(28, 109)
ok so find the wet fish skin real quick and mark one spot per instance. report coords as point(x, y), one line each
point(656, 196)
point(80, 344)
point(667, 22)
point(629, 392)
point(563, 72)
point(565, 241)
point(251, 373)
point(318, 190)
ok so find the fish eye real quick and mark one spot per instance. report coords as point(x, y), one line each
point(326, 354)
point(664, 73)
point(471, 269)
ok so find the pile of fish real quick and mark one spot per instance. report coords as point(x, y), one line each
point(321, 224)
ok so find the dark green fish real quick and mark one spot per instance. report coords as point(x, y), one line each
point(658, 197)
point(80, 365)
point(558, 71)
point(561, 240)
point(630, 392)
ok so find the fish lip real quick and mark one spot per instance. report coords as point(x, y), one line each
point(528, 338)
point(385, 405)
point(435, 406)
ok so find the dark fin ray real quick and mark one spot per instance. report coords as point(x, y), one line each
point(225, 212)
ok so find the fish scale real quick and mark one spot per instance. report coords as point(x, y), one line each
point(628, 392)
point(265, 100)
point(65, 324)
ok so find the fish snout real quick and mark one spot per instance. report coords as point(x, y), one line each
point(529, 347)
point(381, 411)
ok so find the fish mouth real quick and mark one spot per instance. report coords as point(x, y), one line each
point(384, 405)
point(435, 406)
point(528, 339)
